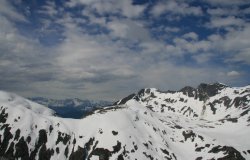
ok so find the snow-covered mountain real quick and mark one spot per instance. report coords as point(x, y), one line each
point(71, 108)
point(208, 122)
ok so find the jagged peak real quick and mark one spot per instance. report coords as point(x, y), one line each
point(147, 91)
point(203, 91)
point(216, 84)
point(137, 95)
point(188, 90)
point(210, 89)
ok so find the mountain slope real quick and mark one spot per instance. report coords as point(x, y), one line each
point(210, 122)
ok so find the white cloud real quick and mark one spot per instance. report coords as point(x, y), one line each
point(192, 46)
point(218, 22)
point(125, 8)
point(13, 42)
point(203, 58)
point(102, 21)
point(49, 9)
point(174, 7)
point(171, 29)
point(233, 41)
point(90, 58)
point(6, 9)
point(23, 60)
point(159, 9)
point(223, 11)
point(233, 73)
point(119, 29)
point(191, 35)
point(175, 77)
point(130, 10)
point(227, 2)
point(73, 3)
point(242, 56)
point(234, 45)
point(125, 57)
point(129, 29)
point(246, 10)
point(152, 48)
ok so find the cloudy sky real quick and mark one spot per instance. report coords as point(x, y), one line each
point(107, 49)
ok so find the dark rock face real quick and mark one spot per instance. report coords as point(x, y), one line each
point(148, 156)
point(199, 149)
point(42, 139)
point(89, 143)
point(64, 138)
point(142, 92)
point(22, 150)
point(117, 147)
point(210, 89)
point(189, 91)
point(114, 133)
point(10, 151)
point(168, 156)
point(103, 153)
point(203, 91)
point(3, 115)
point(44, 153)
point(226, 101)
point(28, 139)
point(233, 120)
point(120, 157)
point(80, 153)
point(238, 101)
point(17, 134)
point(229, 152)
point(7, 136)
point(212, 106)
point(189, 134)
point(21, 147)
point(124, 100)
point(66, 151)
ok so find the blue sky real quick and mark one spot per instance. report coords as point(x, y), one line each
point(106, 49)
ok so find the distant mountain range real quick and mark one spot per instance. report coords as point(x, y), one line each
point(71, 108)
point(210, 122)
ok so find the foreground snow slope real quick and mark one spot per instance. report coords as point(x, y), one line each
point(210, 122)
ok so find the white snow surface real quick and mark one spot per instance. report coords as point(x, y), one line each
point(14, 101)
point(145, 128)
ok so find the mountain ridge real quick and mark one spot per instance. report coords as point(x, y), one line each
point(149, 124)
point(209, 88)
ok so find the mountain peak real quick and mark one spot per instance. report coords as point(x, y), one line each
point(203, 91)
point(149, 124)
point(216, 84)
point(211, 89)
point(138, 95)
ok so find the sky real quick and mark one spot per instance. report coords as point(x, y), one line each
point(107, 49)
